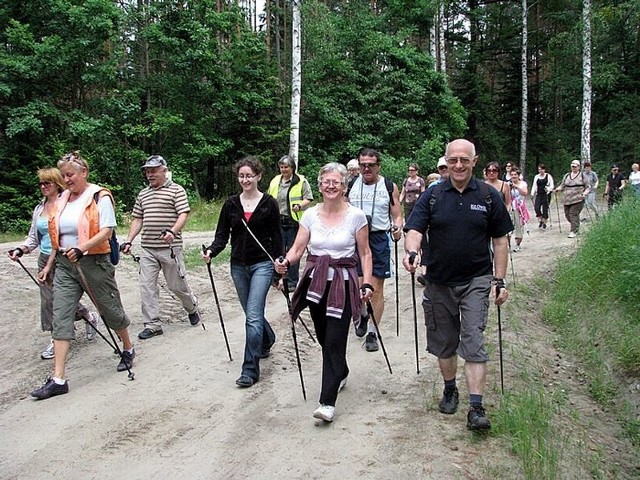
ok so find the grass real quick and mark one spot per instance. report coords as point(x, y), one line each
point(6, 237)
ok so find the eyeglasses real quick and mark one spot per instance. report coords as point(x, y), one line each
point(45, 184)
point(72, 157)
point(246, 177)
point(492, 170)
point(443, 167)
point(454, 160)
point(412, 170)
point(574, 165)
point(508, 165)
point(368, 165)
point(331, 183)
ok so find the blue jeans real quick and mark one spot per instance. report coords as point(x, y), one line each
point(252, 284)
point(288, 238)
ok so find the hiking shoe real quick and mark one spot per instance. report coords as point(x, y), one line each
point(477, 420)
point(325, 412)
point(194, 318)
point(148, 333)
point(93, 320)
point(343, 383)
point(126, 361)
point(244, 381)
point(50, 389)
point(516, 248)
point(449, 402)
point(572, 235)
point(540, 224)
point(361, 329)
point(48, 353)
point(544, 226)
point(371, 342)
point(421, 280)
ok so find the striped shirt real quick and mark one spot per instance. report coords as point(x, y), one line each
point(159, 209)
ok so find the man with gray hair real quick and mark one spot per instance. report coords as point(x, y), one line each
point(160, 212)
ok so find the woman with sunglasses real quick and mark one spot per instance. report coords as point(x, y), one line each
point(252, 220)
point(492, 177)
point(51, 186)
point(332, 231)
point(540, 192)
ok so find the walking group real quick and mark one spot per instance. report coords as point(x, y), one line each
point(457, 233)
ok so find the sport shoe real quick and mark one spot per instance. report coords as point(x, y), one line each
point(544, 226)
point(477, 420)
point(93, 320)
point(572, 235)
point(449, 402)
point(361, 329)
point(516, 248)
point(50, 389)
point(126, 362)
point(343, 383)
point(325, 412)
point(245, 381)
point(194, 318)
point(148, 333)
point(371, 342)
point(48, 353)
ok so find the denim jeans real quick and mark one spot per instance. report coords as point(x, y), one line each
point(289, 237)
point(252, 284)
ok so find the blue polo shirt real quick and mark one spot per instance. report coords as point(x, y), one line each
point(460, 227)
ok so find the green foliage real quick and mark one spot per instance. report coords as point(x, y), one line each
point(596, 301)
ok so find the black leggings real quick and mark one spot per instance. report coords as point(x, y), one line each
point(541, 206)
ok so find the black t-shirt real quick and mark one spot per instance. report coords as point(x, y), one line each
point(460, 227)
point(615, 182)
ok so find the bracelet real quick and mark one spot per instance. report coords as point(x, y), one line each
point(369, 286)
point(171, 232)
point(499, 282)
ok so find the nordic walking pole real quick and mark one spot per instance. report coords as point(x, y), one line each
point(285, 283)
point(28, 272)
point(513, 271)
point(412, 258)
point(87, 289)
point(558, 212)
point(215, 296)
point(375, 324)
point(395, 242)
point(500, 343)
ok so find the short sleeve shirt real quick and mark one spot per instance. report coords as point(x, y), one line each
point(460, 228)
point(159, 208)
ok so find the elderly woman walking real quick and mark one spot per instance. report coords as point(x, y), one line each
point(576, 187)
point(332, 231)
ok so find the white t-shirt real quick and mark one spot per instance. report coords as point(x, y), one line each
point(68, 226)
point(374, 200)
point(338, 241)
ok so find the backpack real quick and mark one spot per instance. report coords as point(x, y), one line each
point(114, 255)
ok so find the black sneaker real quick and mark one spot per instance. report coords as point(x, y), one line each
point(50, 389)
point(148, 333)
point(450, 400)
point(477, 420)
point(244, 381)
point(128, 358)
point(361, 329)
point(371, 342)
point(421, 280)
point(194, 318)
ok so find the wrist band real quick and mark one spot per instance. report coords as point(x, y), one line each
point(367, 285)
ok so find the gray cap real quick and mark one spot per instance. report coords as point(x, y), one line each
point(155, 161)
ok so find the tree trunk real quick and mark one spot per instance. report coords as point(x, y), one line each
point(442, 27)
point(525, 85)
point(296, 80)
point(585, 147)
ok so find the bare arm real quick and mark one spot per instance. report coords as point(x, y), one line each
point(500, 260)
point(412, 243)
point(396, 215)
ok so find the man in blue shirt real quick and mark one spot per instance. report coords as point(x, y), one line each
point(462, 217)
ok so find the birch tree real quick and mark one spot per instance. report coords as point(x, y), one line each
point(296, 80)
point(585, 144)
point(524, 124)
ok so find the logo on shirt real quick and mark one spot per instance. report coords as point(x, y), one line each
point(479, 208)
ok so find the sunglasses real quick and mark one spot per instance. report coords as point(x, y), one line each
point(45, 184)
point(492, 170)
point(368, 165)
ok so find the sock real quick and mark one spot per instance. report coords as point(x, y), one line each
point(450, 384)
point(59, 381)
point(475, 400)
point(371, 328)
point(130, 350)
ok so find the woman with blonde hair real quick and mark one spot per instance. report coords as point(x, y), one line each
point(51, 186)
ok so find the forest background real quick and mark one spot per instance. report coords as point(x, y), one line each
point(206, 82)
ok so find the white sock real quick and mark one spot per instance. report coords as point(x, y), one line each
point(59, 381)
point(371, 328)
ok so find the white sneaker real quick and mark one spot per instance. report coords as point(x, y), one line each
point(325, 412)
point(48, 354)
point(571, 234)
point(91, 334)
point(516, 248)
point(343, 384)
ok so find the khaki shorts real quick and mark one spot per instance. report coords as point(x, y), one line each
point(456, 317)
point(68, 287)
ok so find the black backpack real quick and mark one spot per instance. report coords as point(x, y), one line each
point(114, 255)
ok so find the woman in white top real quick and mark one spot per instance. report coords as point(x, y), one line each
point(540, 192)
point(332, 231)
point(634, 178)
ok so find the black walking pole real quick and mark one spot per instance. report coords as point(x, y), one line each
point(397, 297)
point(500, 342)
point(558, 212)
point(285, 283)
point(215, 296)
point(87, 289)
point(28, 272)
point(412, 257)
point(513, 271)
point(375, 324)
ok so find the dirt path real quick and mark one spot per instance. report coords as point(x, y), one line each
point(183, 417)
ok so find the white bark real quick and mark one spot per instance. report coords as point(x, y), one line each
point(585, 144)
point(442, 48)
point(433, 46)
point(524, 124)
point(296, 81)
